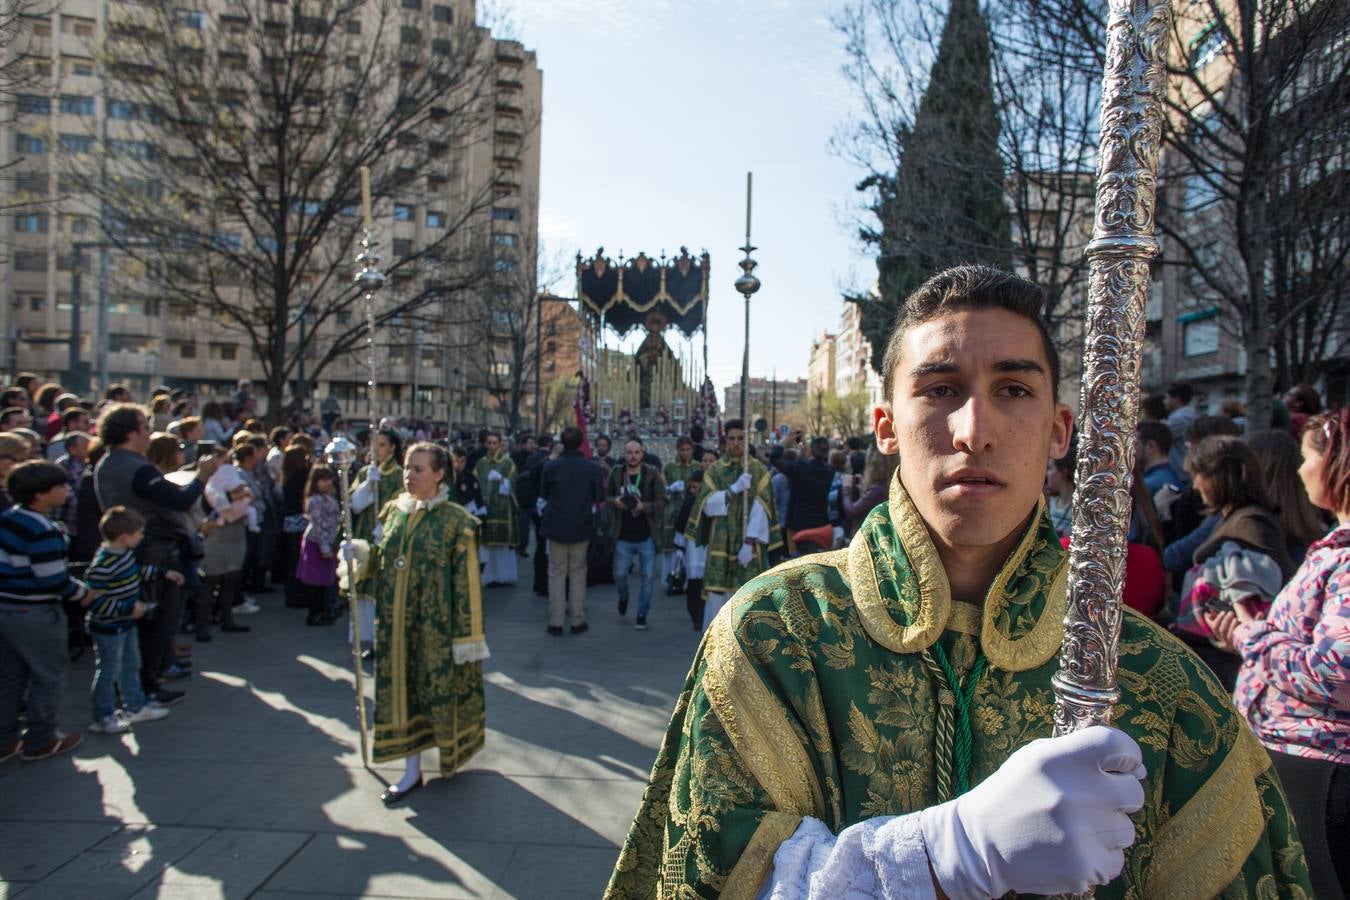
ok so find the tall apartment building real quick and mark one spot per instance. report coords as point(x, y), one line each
point(822, 368)
point(147, 342)
point(767, 398)
point(853, 369)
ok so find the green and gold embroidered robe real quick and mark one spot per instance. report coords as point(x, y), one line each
point(808, 697)
point(673, 472)
point(388, 487)
point(500, 522)
point(724, 534)
point(429, 642)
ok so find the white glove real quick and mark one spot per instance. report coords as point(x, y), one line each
point(1163, 499)
point(742, 484)
point(494, 475)
point(505, 488)
point(837, 536)
point(540, 505)
point(747, 553)
point(372, 473)
point(675, 487)
point(348, 551)
point(1051, 820)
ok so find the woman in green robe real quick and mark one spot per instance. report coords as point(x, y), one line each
point(429, 635)
point(376, 485)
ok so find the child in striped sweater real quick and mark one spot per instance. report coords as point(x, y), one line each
point(116, 576)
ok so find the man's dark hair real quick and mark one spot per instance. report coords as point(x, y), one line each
point(120, 520)
point(969, 287)
point(1154, 407)
point(634, 439)
point(1157, 432)
point(571, 438)
point(820, 448)
point(683, 441)
point(1182, 391)
point(733, 423)
point(1202, 427)
point(29, 479)
point(119, 422)
point(696, 475)
point(116, 390)
point(696, 433)
point(279, 434)
point(854, 443)
point(10, 411)
point(13, 396)
point(69, 416)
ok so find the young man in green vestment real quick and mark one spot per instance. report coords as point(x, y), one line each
point(876, 721)
point(738, 543)
point(496, 474)
point(675, 473)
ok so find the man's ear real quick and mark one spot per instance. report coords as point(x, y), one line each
point(883, 425)
point(1061, 432)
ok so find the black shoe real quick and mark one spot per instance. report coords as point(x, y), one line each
point(203, 638)
point(641, 623)
point(236, 629)
point(322, 619)
point(555, 630)
point(393, 795)
point(581, 629)
point(166, 697)
point(623, 606)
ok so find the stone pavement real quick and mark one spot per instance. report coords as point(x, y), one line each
point(253, 787)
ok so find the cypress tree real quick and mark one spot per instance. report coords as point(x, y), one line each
point(945, 203)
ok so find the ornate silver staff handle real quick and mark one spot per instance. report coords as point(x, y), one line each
point(341, 453)
point(1120, 252)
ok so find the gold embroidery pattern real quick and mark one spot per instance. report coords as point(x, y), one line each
point(756, 862)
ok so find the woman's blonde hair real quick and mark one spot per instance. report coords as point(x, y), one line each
point(162, 452)
point(879, 468)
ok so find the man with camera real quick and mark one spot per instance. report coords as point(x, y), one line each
point(638, 494)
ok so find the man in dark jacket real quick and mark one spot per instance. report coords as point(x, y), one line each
point(124, 477)
point(809, 488)
point(569, 488)
point(638, 494)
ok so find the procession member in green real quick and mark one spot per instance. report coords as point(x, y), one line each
point(877, 721)
point(496, 473)
point(376, 485)
point(429, 643)
point(675, 473)
point(738, 548)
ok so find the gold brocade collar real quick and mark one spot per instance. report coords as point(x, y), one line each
point(905, 599)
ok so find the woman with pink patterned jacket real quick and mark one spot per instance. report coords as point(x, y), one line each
point(1294, 687)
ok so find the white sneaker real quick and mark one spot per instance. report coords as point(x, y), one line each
point(111, 724)
point(150, 712)
point(247, 608)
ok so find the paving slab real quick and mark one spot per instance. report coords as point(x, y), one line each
point(33, 850)
point(394, 867)
point(120, 864)
point(230, 864)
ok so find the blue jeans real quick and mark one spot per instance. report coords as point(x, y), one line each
point(118, 664)
point(645, 551)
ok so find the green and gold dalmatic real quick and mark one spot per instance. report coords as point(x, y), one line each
point(499, 528)
point(811, 696)
point(429, 632)
point(722, 535)
point(674, 471)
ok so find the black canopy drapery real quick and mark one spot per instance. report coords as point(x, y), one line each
point(645, 293)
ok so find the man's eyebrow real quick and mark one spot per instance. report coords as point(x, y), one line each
point(1018, 365)
point(941, 367)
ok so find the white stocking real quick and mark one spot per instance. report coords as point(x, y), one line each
point(411, 773)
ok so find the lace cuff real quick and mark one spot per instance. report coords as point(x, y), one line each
point(470, 651)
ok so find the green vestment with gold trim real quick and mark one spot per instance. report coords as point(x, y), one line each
point(722, 535)
point(673, 472)
point(500, 522)
point(808, 697)
point(387, 488)
point(429, 642)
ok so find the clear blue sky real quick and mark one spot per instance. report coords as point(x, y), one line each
point(654, 110)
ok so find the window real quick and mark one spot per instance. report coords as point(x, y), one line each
point(353, 26)
point(441, 13)
point(505, 240)
point(435, 219)
point(402, 247)
point(307, 207)
point(77, 65)
point(187, 351)
point(32, 183)
point(502, 214)
point(75, 224)
point(314, 25)
point(1206, 46)
point(224, 351)
point(77, 143)
point(123, 109)
point(408, 34)
point(37, 302)
point(132, 149)
point(1199, 332)
point(440, 47)
point(30, 261)
point(411, 4)
point(402, 213)
point(77, 105)
point(32, 223)
point(344, 318)
point(77, 26)
point(190, 18)
point(228, 241)
point(505, 266)
point(34, 104)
